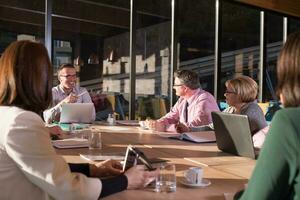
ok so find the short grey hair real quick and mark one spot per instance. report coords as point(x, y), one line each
point(188, 78)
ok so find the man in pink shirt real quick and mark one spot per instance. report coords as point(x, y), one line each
point(194, 106)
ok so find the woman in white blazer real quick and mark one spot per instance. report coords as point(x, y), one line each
point(29, 166)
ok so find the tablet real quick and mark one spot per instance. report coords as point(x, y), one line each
point(132, 156)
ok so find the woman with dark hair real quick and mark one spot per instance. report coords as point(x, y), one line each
point(276, 175)
point(27, 158)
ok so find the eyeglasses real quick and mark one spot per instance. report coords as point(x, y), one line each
point(177, 85)
point(230, 92)
point(69, 76)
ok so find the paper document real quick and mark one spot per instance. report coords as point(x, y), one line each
point(198, 137)
point(113, 156)
point(128, 122)
point(66, 127)
point(70, 143)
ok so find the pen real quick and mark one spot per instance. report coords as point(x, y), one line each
point(81, 94)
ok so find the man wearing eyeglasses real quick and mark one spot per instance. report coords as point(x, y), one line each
point(66, 92)
point(193, 108)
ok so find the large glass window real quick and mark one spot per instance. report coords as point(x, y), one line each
point(196, 36)
point(153, 58)
point(294, 25)
point(21, 20)
point(239, 43)
point(274, 38)
point(94, 36)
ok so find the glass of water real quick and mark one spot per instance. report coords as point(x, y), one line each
point(166, 180)
point(94, 138)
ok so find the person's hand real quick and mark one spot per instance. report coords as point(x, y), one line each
point(55, 132)
point(160, 126)
point(138, 178)
point(181, 128)
point(150, 124)
point(155, 125)
point(70, 99)
point(259, 137)
point(106, 168)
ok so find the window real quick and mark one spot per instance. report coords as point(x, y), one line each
point(153, 58)
point(93, 35)
point(239, 43)
point(21, 20)
point(196, 35)
point(274, 38)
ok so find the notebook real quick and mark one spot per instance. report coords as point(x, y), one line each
point(128, 122)
point(197, 137)
point(77, 113)
point(103, 156)
point(70, 143)
point(233, 134)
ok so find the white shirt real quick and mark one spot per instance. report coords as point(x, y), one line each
point(29, 166)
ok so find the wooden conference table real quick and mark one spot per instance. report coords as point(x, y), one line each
point(226, 172)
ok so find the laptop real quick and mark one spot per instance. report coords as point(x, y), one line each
point(77, 113)
point(233, 134)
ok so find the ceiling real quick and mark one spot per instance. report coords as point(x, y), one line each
point(102, 18)
point(288, 7)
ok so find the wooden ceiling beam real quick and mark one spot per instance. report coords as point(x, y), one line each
point(287, 7)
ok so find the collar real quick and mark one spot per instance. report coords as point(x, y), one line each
point(63, 91)
point(196, 92)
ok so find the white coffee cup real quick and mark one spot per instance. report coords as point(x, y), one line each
point(143, 124)
point(194, 175)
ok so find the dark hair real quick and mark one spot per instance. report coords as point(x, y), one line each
point(188, 78)
point(26, 76)
point(66, 65)
point(63, 66)
point(288, 71)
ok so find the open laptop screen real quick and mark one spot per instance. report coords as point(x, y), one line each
point(77, 113)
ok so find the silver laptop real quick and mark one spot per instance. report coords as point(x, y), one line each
point(233, 134)
point(77, 113)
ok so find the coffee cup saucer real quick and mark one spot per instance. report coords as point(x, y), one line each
point(203, 183)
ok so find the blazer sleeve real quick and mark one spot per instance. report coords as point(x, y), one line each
point(29, 145)
point(277, 165)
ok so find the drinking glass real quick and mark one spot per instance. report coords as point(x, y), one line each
point(95, 139)
point(166, 180)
